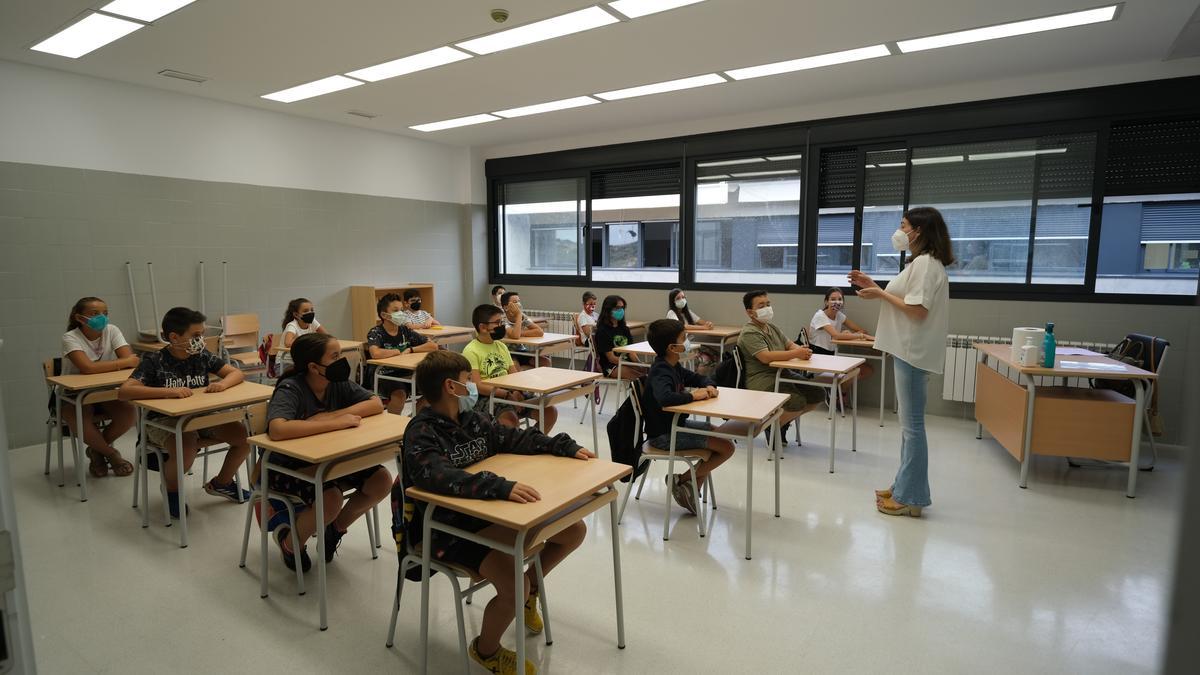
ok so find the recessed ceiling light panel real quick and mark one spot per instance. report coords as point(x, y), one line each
point(809, 62)
point(1072, 19)
point(91, 33)
point(547, 29)
point(635, 8)
point(550, 106)
point(410, 64)
point(144, 10)
point(662, 87)
point(323, 86)
point(456, 122)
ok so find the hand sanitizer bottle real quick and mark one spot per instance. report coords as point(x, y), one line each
point(1049, 344)
point(1029, 353)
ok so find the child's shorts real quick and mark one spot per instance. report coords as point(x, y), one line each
point(166, 439)
point(684, 440)
point(306, 491)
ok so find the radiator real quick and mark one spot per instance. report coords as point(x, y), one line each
point(559, 321)
point(958, 381)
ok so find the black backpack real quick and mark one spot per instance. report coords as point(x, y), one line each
point(626, 432)
point(728, 374)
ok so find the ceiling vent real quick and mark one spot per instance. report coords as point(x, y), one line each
point(364, 115)
point(198, 79)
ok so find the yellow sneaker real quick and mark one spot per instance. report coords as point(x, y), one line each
point(533, 620)
point(503, 662)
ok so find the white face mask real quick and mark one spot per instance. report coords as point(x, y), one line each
point(900, 240)
point(398, 318)
point(680, 303)
point(686, 344)
point(836, 305)
point(765, 314)
point(193, 345)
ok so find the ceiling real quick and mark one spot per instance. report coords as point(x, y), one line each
point(253, 48)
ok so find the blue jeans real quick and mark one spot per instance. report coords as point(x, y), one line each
point(911, 486)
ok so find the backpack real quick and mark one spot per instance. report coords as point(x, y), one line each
point(265, 356)
point(1139, 351)
point(727, 372)
point(626, 433)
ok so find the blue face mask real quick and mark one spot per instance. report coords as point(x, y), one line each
point(619, 314)
point(467, 401)
point(98, 322)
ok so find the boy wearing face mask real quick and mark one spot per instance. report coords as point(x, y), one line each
point(417, 317)
point(175, 371)
point(316, 396)
point(517, 326)
point(670, 384)
point(393, 337)
point(490, 358)
point(760, 343)
point(440, 444)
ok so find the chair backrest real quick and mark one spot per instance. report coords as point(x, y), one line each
point(1155, 349)
point(258, 417)
point(737, 365)
point(241, 331)
point(212, 344)
point(48, 367)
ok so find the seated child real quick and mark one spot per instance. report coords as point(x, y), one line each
point(440, 443)
point(393, 337)
point(417, 317)
point(670, 384)
point(299, 319)
point(93, 345)
point(173, 372)
point(489, 357)
point(313, 397)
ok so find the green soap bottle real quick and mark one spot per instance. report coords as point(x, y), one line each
point(1049, 344)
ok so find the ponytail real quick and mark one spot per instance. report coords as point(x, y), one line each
point(292, 308)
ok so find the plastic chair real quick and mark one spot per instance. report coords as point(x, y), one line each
point(605, 382)
point(50, 368)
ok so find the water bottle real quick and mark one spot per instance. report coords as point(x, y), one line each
point(1029, 353)
point(1049, 345)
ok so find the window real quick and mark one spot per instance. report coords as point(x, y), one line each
point(540, 227)
point(1150, 230)
point(635, 224)
point(837, 196)
point(886, 173)
point(748, 220)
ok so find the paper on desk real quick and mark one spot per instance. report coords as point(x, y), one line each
point(1091, 365)
point(1073, 351)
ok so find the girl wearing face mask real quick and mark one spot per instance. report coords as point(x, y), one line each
point(93, 345)
point(316, 396)
point(611, 332)
point(829, 324)
point(913, 323)
point(393, 337)
point(679, 310)
point(299, 319)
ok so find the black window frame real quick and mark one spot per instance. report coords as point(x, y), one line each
point(1028, 116)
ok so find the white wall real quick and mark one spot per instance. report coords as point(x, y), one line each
point(63, 119)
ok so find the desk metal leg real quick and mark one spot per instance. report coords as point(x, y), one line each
point(319, 509)
point(777, 445)
point(670, 475)
point(616, 545)
point(426, 559)
point(854, 413)
point(519, 600)
point(595, 437)
point(750, 476)
point(1027, 438)
point(264, 523)
point(980, 357)
point(180, 494)
point(833, 394)
point(1135, 446)
point(79, 447)
point(58, 401)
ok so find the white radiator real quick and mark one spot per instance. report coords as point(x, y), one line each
point(558, 321)
point(958, 380)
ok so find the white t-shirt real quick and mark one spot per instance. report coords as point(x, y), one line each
point(817, 334)
point(584, 319)
point(293, 327)
point(921, 343)
point(104, 348)
point(680, 318)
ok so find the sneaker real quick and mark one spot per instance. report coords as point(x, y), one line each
point(228, 491)
point(533, 620)
point(173, 505)
point(503, 662)
point(289, 558)
point(333, 539)
point(681, 490)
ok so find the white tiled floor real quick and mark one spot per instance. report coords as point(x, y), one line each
point(1067, 576)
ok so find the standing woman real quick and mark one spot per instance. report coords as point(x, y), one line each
point(679, 310)
point(913, 323)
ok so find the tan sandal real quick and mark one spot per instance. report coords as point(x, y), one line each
point(883, 494)
point(121, 467)
point(894, 508)
point(97, 466)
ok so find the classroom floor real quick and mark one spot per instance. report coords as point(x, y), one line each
point(1067, 576)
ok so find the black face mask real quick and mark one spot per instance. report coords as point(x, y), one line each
point(415, 305)
point(338, 371)
point(308, 317)
point(498, 332)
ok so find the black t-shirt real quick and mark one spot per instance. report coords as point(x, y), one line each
point(293, 399)
point(162, 369)
point(608, 338)
point(404, 338)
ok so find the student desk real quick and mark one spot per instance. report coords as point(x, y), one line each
point(838, 368)
point(637, 326)
point(406, 362)
point(550, 386)
point(180, 413)
point(447, 335)
point(334, 454)
point(873, 354)
point(637, 354)
point(80, 390)
point(1028, 418)
point(754, 410)
point(143, 347)
point(718, 334)
point(571, 489)
point(537, 345)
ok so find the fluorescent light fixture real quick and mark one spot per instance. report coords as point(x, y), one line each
point(1016, 153)
point(90, 34)
point(918, 161)
point(808, 62)
point(144, 10)
point(719, 176)
point(548, 29)
point(751, 174)
point(889, 165)
point(561, 104)
point(635, 8)
point(731, 162)
point(784, 158)
point(1004, 30)
point(662, 87)
point(324, 86)
point(410, 64)
point(456, 122)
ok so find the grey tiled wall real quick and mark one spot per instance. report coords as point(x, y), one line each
point(67, 233)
